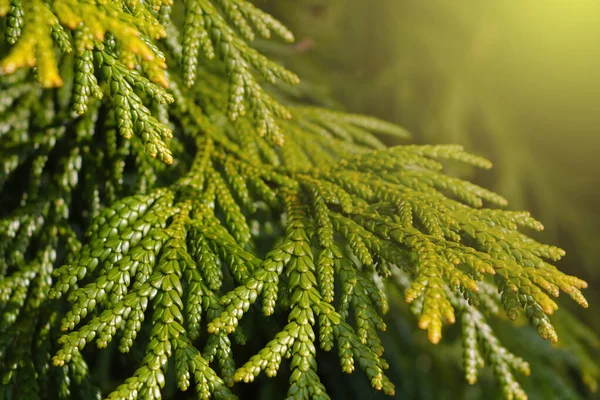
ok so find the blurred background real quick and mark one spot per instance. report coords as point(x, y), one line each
point(517, 82)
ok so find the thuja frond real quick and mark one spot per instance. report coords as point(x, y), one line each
point(235, 232)
point(438, 246)
point(119, 36)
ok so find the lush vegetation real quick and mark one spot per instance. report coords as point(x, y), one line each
point(160, 187)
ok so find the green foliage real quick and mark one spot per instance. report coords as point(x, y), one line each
point(463, 73)
point(188, 264)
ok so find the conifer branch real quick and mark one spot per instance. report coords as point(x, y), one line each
point(312, 233)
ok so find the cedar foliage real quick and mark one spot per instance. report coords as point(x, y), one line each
point(156, 191)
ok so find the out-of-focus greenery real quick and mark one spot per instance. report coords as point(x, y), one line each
point(519, 83)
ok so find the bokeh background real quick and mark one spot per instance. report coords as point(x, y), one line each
point(515, 81)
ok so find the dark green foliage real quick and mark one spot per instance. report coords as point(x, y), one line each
point(297, 244)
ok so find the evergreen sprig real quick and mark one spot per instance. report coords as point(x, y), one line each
point(309, 236)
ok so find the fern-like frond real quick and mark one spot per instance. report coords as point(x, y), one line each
point(236, 238)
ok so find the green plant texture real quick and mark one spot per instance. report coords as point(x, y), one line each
point(161, 199)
